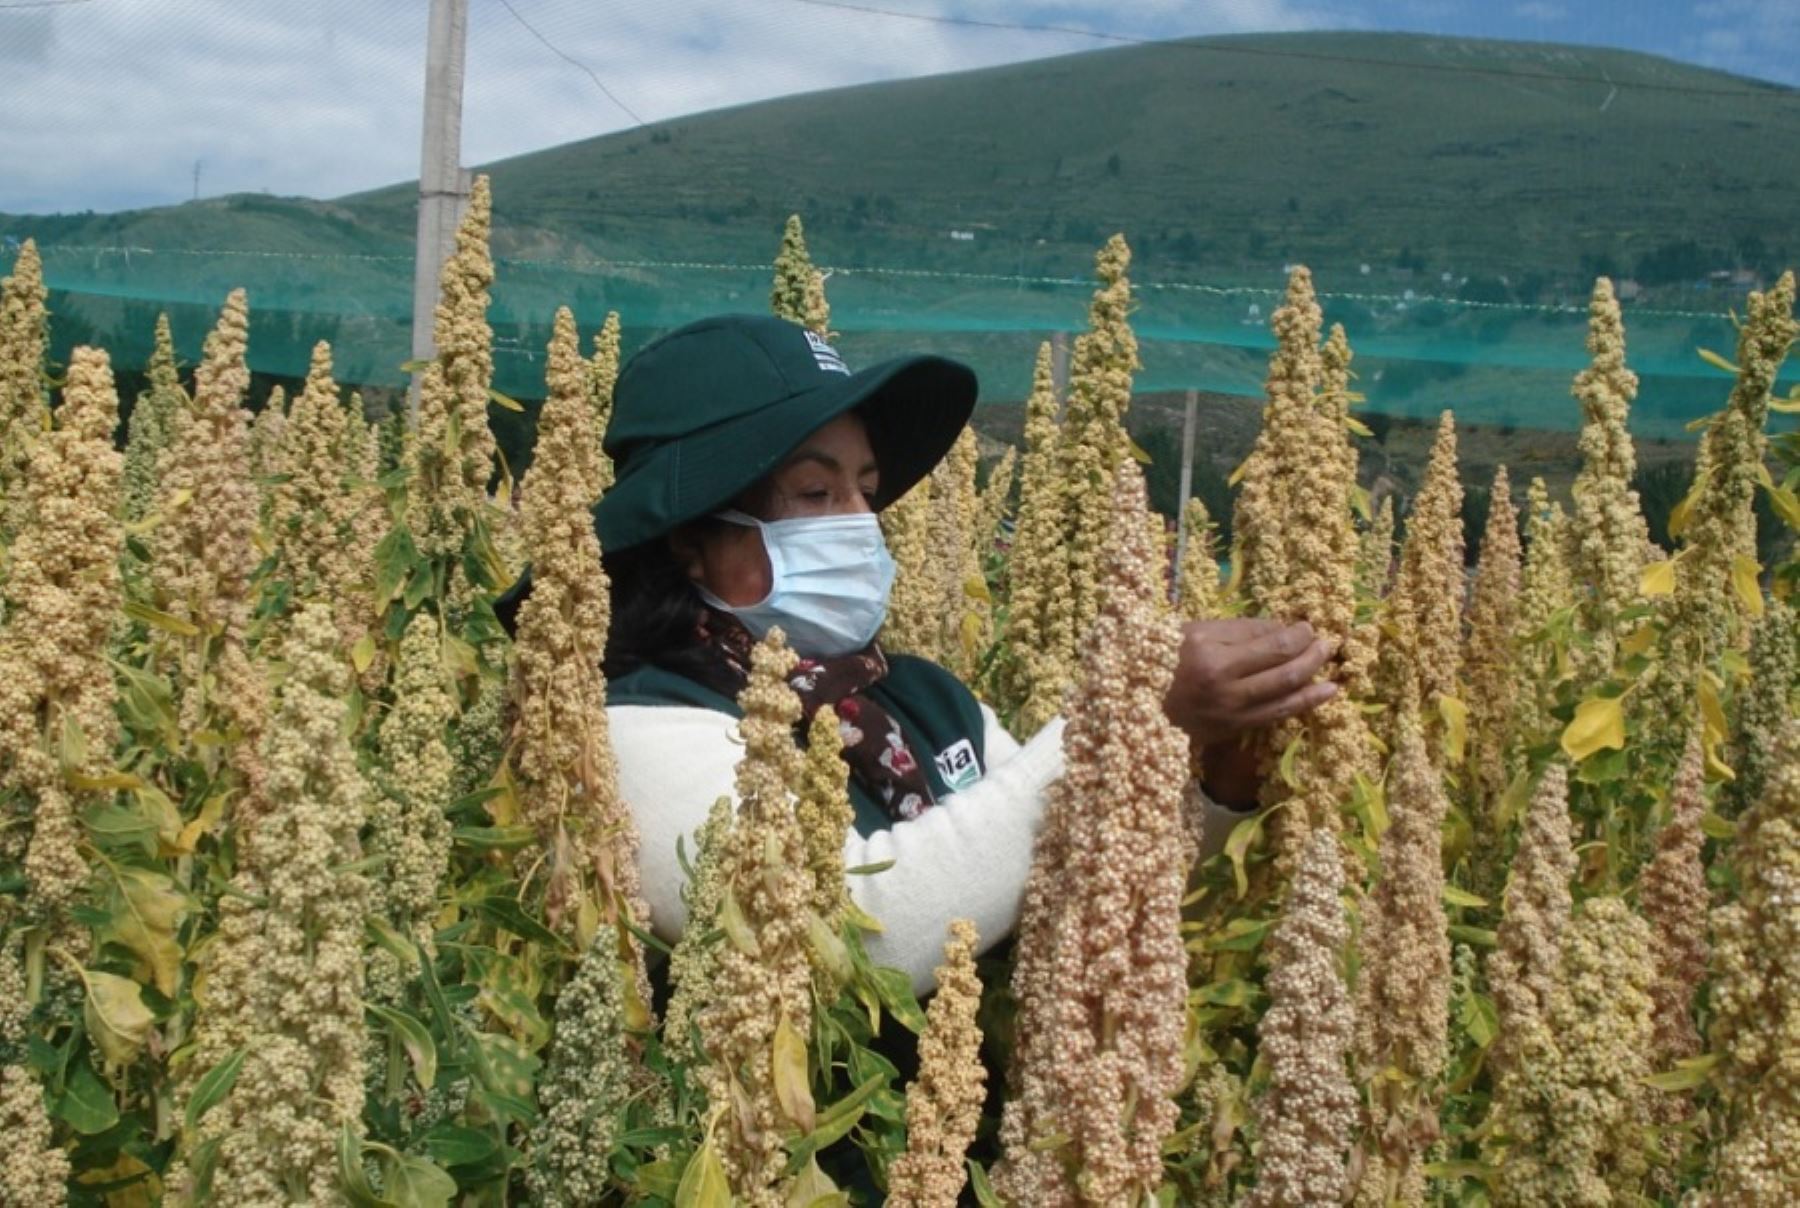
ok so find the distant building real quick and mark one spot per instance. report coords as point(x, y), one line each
point(963, 236)
point(1629, 290)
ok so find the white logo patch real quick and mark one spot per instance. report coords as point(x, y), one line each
point(958, 766)
point(825, 354)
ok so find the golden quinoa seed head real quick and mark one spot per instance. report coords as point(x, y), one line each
point(913, 621)
point(24, 340)
point(603, 376)
point(764, 977)
point(1570, 1113)
point(1421, 664)
point(1039, 638)
point(1198, 588)
point(1490, 655)
point(1100, 971)
point(1404, 982)
point(1673, 896)
point(1307, 1113)
point(285, 976)
point(1523, 969)
point(962, 618)
point(152, 425)
point(695, 961)
point(414, 774)
point(1756, 996)
point(798, 294)
point(568, 776)
point(1610, 534)
point(64, 591)
point(34, 1169)
point(826, 815)
point(943, 1101)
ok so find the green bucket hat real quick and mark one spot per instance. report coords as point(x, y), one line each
point(705, 411)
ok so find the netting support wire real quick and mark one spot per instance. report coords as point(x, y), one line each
point(1189, 420)
point(443, 185)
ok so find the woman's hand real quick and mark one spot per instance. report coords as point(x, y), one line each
point(1237, 677)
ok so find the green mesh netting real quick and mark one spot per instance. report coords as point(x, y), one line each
point(1417, 352)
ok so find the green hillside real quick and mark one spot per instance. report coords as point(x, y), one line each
point(1503, 175)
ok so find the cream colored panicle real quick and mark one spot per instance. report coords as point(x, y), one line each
point(913, 624)
point(152, 424)
point(1420, 664)
point(1198, 589)
point(24, 402)
point(284, 978)
point(1039, 638)
point(1569, 1120)
point(64, 589)
point(943, 1101)
point(413, 778)
point(1404, 984)
point(603, 375)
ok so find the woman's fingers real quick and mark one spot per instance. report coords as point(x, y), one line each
point(1291, 705)
point(1281, 681)
point(1272, 648)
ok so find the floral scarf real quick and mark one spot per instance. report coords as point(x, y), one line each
point(880, 759)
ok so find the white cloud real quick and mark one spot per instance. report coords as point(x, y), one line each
point(1542, 11)
point(109, 105)
point(1751, 37)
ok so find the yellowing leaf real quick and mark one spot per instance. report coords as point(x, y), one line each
point(1786, 504)
point(1658, 579)
point(507, 403)
point(1456, 727)
point(1712, 713)
point(363, 653)
point(737, 928)
point(813, 1188)
point(1744, 571)
point(1357, 427)
point(1599, 724)
point(116, 1016)
point(703, 1183)
point(1237, 475)
point(159, 620)
point(975, 588)
point(1638, 641)
point(1678, 516)
point(1685, 1076)
point(144, 919)
point(792, 1090)
point(211, 812)
point(1237, 847)
point(1716, 361)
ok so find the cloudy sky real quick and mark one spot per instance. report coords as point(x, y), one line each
point(110, 104)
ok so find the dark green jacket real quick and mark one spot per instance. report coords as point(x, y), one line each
point(938, 715)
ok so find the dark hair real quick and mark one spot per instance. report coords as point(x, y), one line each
point(656, 612)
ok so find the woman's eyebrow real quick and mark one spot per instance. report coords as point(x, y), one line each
point(825, 459)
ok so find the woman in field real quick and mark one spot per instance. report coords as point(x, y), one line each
point(751, 463)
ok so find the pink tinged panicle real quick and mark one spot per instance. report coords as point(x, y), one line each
point(1672, 893)
point(1756, 996)
point(1489, 659)
point(1522, 971)
point(1420, 664)
point(1100, 973)
point(1307, 1113)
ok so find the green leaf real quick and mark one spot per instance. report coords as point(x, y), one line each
point(415, 1182)
point(86, 1105)
point(1479, 937)
point(494, 838)
point(395, 558)
point(836, 1121)
point(1241, 935)
point(985, 1195)
point(1714, 826)
point(1233, 993)
point(351, 1179)
point(453, 1145)
point(159, 620)
point(1243, 837)
point(869, 870)
point(213, 1086)
point(1462, 897)
point(1685, 1076)
point(894, 989)
point(507, 913)
point(421, 1051)
point(501, 400)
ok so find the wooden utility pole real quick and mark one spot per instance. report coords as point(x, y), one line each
point(443, 185)
point(1188, 423)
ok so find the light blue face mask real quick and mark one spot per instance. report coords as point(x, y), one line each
point(830, 578)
